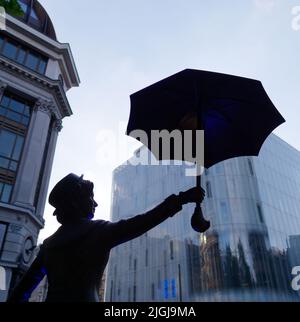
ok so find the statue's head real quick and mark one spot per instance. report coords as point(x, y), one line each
point(73, 199)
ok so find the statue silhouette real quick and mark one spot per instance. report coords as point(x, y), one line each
point(75, 256)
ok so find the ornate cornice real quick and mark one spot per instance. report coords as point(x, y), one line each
point(41, 81)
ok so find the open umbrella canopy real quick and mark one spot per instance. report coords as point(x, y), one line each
point(235, 113)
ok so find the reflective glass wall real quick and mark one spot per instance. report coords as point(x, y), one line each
point(247, 255)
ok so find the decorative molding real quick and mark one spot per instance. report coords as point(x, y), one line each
point(58, 125)
point(44, 106)
point(41, 81)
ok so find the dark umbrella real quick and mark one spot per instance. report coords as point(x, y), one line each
point(235, 113)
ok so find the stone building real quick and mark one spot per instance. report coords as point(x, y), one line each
point(36, 71)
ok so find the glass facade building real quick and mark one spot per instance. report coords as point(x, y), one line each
point(249, 252)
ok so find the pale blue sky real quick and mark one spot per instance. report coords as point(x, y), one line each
point(121, 46)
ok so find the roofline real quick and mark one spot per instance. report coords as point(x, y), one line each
point(41, 81)
point(56, 46)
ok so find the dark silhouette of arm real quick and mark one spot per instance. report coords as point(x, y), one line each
point(125, 230)
point(29, 282)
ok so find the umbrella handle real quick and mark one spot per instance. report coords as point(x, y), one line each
point(198, 222)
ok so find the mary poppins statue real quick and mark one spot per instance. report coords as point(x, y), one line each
point(75, 256)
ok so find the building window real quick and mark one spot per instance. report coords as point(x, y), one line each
point(14, 120)
point(208, 190)
point(23, 55)
point(174, 292)
point(250, 167)
point(134, 293)
point(158, 279)
point(166, 289)
point(260, 214)
point(146, 257)
point(130, 260)
point(111, 291)
point(30, 14)
point(152, 291)
point(24, 6)
point(171, 249)
point(129, 294)
point(3, 229)
point(224, 212)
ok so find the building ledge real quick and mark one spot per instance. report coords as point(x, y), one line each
point(29, 212)
point(61, 48)
point(41, 80)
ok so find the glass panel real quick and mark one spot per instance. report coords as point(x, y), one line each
point(23, 6)
point(42, 66)
point(7, 140)
point(18, 148)
point(10, 50)
point(14, 116)
point(13, 166)
point(2, 231)
point(27, 110)
point(16, 106)
point(25, 120)
point(250, 167)
point(224, 211)
point(4, 163)
point(21, 56)
point(33, 14)
point(32, 61)
point(2, 111)
point(6, 193)
point(208, 190)
point(260, 214)
point(5, 101)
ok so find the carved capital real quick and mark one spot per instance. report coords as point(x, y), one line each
point(44, 106)
point(58, 125)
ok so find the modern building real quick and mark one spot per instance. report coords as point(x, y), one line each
point(36, 71)
point(249, 252)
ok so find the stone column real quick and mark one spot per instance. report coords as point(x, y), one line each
point(56, 128)
point(32, 157)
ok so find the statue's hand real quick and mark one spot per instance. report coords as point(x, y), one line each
point(192, 195)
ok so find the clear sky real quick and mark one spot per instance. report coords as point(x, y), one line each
point(122, 46)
